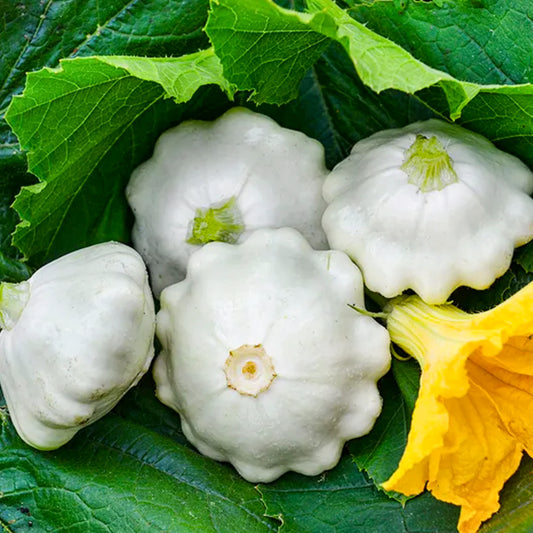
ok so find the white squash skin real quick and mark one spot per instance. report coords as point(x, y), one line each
point(431, 242)
point(276, 291)
point(276, 175)
point(84, 338)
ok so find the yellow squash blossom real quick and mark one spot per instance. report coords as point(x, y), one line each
point(474, 414)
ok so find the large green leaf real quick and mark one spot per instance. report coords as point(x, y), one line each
point(264, 48)
point(345, 500)
point(380, 63)
point(34, 34)
point(86, 126)
point(118, 476)
point(480, 42)
point(503, 113)
point(335, 107)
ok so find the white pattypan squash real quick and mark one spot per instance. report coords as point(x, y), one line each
point(429, 207)
point(76, 336)
point(217, 181)
point(262, 357)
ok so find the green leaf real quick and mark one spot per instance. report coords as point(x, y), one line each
point(503, 113)
point(180, 77)
point(476, 301)
point(380, 63)
point(264, 48)
point(34, 34)
point(335, 107)
point(77, 123)
point(524, 257)
point(12, 176)
point(117, 476)
point(142, 407)
point(484, 46)
point(343, 499)
point(407, 376)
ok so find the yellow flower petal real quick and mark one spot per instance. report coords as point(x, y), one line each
point(477, 457)
point(508, 380)
point(472, 418)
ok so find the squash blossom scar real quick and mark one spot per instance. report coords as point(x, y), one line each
point(249, 370)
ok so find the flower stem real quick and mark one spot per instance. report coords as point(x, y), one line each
point(418, 327)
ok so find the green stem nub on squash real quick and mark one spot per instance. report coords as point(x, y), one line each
point(222, 223)
point(428, 165)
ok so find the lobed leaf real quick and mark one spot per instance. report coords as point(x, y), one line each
point(503, 113)
point(264, 48)
point(34, 34)
point(345, 500)
point(480, 42)
point(85, 127)
point(117, 476)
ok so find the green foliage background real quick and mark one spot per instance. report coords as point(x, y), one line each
point(339, 73)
